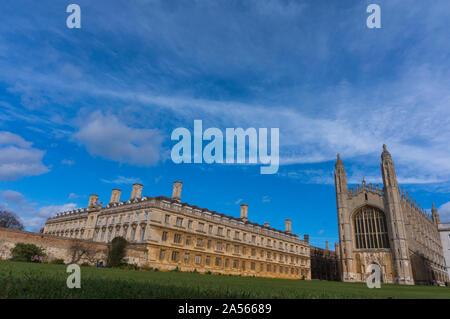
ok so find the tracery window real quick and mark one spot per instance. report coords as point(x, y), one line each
point(369, 225)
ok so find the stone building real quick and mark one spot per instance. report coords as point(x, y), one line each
point(444, 230)
point(386, 227)
point(183, 236)
point(324, 264)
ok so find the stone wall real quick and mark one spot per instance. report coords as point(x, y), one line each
point(64, 248)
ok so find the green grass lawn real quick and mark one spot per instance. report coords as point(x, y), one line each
point(27, 280)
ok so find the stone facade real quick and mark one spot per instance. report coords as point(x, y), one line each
point(384, 226)
point(183, 236)
point(444, 230)
point(324, 264)
point(69, 249)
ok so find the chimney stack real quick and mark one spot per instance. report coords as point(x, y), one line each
point(244, 212)
point(115, 195)
point(306, 238)
point(326, 245)
point(288, 226)
point(136, 191)
point(266, 224)
point(176, 193)
point(93, 201)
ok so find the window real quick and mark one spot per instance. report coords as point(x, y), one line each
point(253, 239)
point(136, 217)
point(227, 247)
point(179, 221)
point(210, 229)
point(236, 235)
point(133, 233)
point(228, 233)
point(113, 219)
point(164, 236)
point(219, 246)
point(235, 263)
point(200, 226)
point(252, 266)
point(227, 263)
point(167, 219)
point(162, 254)
point(218, 261)
point(186, 258)
point(244, 250)
point(128, 217)
point(253, 252)
point(142, 234)
point(177, 238)
point(219, 231)
point(208, 260)
point(198, 259)
point(236, 249)
point(175, 256)
point(145, 216)
point(369, 225)
point(120, 218)
point(190, 224)
point(244, 237)
point(209, 244)
point(199, 242)
point(188, 240)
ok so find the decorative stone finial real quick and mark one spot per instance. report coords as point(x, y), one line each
point(385, 154)
point(339, 162)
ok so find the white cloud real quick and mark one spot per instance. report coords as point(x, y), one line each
point(18, 158)
point(106, 136)
point(32, 217)
point(444, 212)
point(266, 199)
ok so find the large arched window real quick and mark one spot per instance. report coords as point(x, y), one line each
point(369, 225)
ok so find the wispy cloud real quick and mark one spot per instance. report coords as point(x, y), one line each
point(123, 180)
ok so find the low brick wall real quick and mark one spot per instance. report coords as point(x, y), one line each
point(64, 248)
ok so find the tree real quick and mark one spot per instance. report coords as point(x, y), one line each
point(116, 251)
point(24, 252)
point(10, 220)
point(83, 251)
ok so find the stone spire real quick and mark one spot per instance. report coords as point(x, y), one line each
point(340, 176)
point(392, 199)
point(435, 215)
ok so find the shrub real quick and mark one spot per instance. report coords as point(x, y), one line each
point(58, 261)
point(24, 252)
point(85, 264)
point(116, 252)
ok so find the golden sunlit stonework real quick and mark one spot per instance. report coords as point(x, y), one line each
point(183, 236)
point(386, 227)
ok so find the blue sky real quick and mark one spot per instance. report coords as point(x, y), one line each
point(87, 110)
